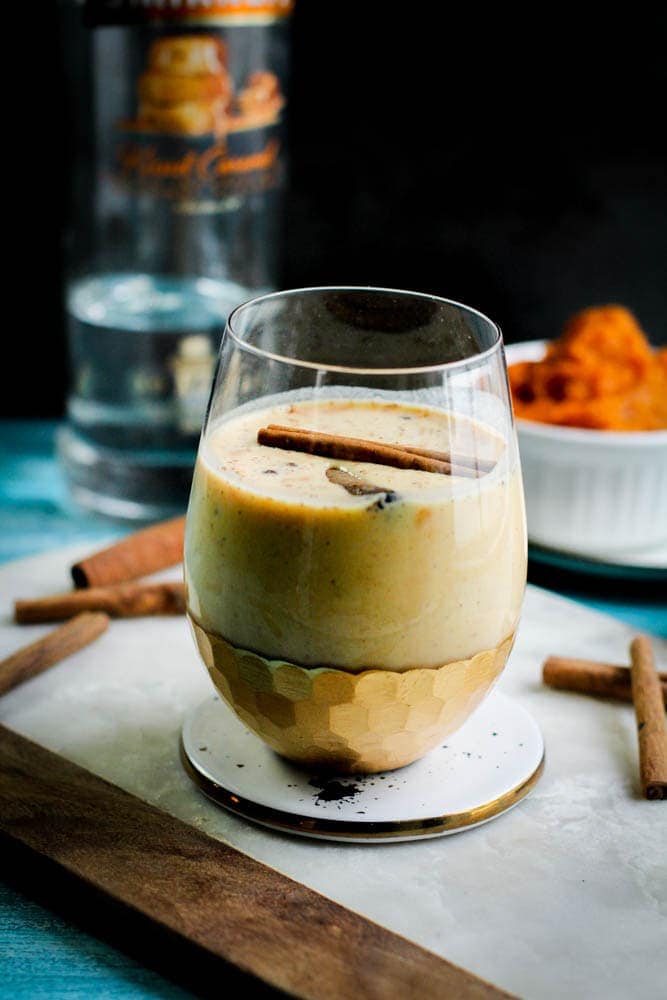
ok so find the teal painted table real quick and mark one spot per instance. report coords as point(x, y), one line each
point(44, 953)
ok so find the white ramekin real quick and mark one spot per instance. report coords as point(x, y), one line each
point(591, 492)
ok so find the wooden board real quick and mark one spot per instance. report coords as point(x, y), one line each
point(236, 909)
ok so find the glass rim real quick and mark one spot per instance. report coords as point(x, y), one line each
point(472, 361)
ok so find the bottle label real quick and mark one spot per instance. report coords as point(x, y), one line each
point(200, 104)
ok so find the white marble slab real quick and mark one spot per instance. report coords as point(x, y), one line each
point(565, 895)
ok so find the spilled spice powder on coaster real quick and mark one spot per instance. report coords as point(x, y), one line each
point(334, 790)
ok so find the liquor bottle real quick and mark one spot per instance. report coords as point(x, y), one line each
point(176, 219)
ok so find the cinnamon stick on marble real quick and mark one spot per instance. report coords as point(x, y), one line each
point(590, 677)
point(124, 600)
point(58, 644)
point(650, 714)
point(357, 450)
point(141, 553)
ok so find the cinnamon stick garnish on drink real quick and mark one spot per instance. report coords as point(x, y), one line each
point(650, 714)
point(590, 677)
point(61, 642)
point(124, 600)
point(465, 461)
point(139, 554)
point(361, 450)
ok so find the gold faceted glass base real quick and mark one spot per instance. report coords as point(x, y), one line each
point(322, 717)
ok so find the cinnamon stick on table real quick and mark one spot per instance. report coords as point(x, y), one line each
point(139, 554)
point(124, 600)
point(590, 677)
point(61, 642)
point(376, 452)
point(650, 714)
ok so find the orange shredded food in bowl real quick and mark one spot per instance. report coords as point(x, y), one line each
point(601, 373)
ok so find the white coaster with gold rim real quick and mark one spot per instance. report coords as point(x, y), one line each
point(478, 773)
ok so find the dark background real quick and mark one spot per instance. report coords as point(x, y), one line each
point(517, 164)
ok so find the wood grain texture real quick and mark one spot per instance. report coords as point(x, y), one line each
point(231, 906)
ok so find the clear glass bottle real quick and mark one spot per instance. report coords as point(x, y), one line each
point(176, 219)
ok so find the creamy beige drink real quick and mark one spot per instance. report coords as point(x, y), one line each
point(283, 561)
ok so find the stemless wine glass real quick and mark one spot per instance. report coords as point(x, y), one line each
point(355, 551)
